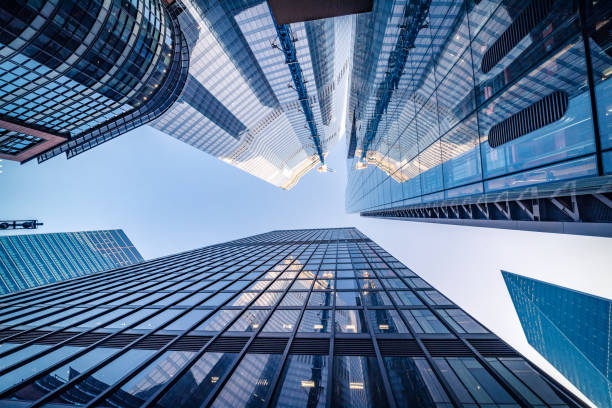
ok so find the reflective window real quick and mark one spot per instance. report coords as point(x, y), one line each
point(63, 374)
point(461, 322)
point(405, 298)
point(189, 319)
point(218, 320)
point(387, 321)
point(158, 319)
point(375, 298)
point(320, 299)
point(282, 321)
point(348, 299)
point(435, 298)
point(249, 321)
point(194, 386)
point(268, 298)
point(86, 389)
point(294, 299)
point(350, 321)
point(424, 321)
point(414, 383)
point(316, 321)
point(357, 382)
point(303, 382)
point(249, 384)
point(471, 382)
point(151, 378)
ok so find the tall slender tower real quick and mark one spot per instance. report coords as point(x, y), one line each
point(300, 318)
point(571, 329)
point(27, 261)
point(485, 113)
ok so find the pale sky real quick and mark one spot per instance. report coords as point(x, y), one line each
point(169, 197)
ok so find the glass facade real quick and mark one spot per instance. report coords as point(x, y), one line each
point(68, 67)
point(480, 112)
point(308, 318)
point(27, 261)
point(269, 99)
point(571, 329)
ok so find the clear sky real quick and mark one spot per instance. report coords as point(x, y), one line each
point(169, 197)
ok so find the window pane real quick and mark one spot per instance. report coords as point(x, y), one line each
point(350, 321)
point(414, 383)
point(62, 375)
point(250, 382)
point(357, 383)
point(268, 299)
point(461, 321)
point(194, 386)
point(249, 321)
point(282, 321)
point(303, 382)
point(405, 298)
point(86, 389)
point(424, 321)
point(387, 321)
point(294, 299)
point(151, 378)
point(348, 299)
point(433, 297)
point(375, 298)
point(315, 321)
point(320, 299)
point(218, 321)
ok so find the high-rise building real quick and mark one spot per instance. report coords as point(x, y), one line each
point(571, 329)
point(488, 113)
point(74, 74)
point(268, 98)
point(27, 261)
point(301, 318)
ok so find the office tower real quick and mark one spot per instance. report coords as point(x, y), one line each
point(27, 261)
point(301, 318)
point(571, 329)
point(74, 74)
point(266, 97)
point(485, 113)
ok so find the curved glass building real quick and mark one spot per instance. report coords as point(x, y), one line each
point(73, 73)
point(488, 113)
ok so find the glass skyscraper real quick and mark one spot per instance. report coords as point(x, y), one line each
point(489, 113)
point(27, 261)
point(300, 318)
point(265, 97)
point(76, 73)
point(571, 329)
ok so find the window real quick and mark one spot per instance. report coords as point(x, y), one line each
point(303, 382)
point(320, 299)
point(471, 382)
point(461, 321)
point(424, 321)
point(316, 321)
point(250, 321)
point(435, 298)
point(218, 321)
point(350, 321)
point(405, 298)
point(357, 382)
point(250, 382)
point(387, 321)
point(414, 383)
point(282, 321)
point(195, 385)
point(348, 299)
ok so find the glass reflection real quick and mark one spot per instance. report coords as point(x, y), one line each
point(250, 383)
point(250, 321)
point(303, 382)
point(282, 321)
point(194, 386)
point(357, 383)
point(414, 383)
point(387, 321)
point(350, 321)
point(315, 321)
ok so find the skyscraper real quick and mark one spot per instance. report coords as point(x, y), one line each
point(571, 329)
point(74, 74)
point(268, 98)
point(312, 318)
point(27, 261)
point(488, 113)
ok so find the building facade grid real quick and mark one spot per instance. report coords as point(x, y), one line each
point(301, 318)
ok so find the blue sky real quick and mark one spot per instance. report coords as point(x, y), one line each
point(169, 197)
